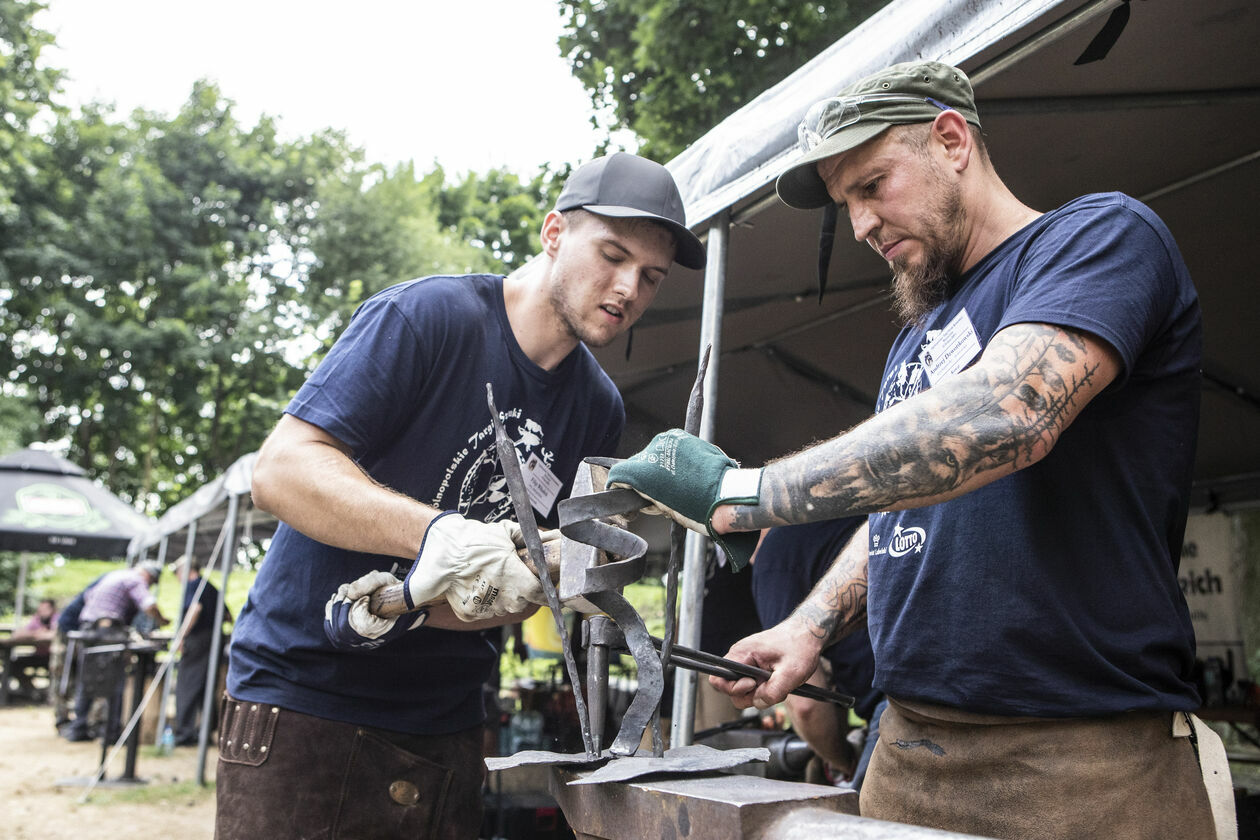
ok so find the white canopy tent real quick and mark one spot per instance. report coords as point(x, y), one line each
point(1171, 115)
point(211, 525)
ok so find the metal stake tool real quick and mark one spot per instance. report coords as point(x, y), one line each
point(529, 531)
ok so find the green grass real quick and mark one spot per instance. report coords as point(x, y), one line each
point(173, 793)
point(50, 576)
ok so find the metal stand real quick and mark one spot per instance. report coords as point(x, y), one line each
point(103, 678)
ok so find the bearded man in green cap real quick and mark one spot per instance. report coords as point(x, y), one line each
point(1026, 479)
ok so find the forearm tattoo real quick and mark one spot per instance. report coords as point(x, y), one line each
point(1003, 414)
point(837, 604)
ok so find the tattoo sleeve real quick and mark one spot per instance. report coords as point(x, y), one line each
point(837, 604)
point(1003, 414)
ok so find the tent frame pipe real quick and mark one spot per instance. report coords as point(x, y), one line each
point(691, 604)
point(189, 543)
point(216, 640)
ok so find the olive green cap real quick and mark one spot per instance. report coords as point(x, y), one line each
point(903, 94)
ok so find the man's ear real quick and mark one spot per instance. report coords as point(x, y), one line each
point(553, 228)
point(951, 132)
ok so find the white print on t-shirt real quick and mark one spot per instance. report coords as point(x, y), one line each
point(902, 384)
point(907, 540)
point(475, 470)
point(911, 540)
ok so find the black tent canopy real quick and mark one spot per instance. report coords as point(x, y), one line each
point(49, 504)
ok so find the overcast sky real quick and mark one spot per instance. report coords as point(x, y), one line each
point(471, 84)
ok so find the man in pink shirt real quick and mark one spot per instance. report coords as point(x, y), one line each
point(109, 607)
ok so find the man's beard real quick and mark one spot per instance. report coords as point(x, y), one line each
point(920, 288)
point(571, 317)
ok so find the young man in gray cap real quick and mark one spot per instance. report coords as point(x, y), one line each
point(1027, 476)
point(340, 725)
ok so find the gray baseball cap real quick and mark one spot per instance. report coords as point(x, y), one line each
point(903, 94)
point(626, 186)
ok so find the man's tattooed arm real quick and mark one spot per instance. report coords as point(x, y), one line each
point(1003, 414)
point(837, 604)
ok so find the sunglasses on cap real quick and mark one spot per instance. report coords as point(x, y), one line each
point(827, 116)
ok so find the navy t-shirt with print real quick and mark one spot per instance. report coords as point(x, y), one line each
point(405, 388)
point(790, 560)
point(1053, 591)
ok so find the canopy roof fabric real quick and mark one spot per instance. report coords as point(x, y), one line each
point(49, 504)
point(206, 509)
point(1171, 116)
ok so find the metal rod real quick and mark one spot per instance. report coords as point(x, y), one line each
point(677, 533)
point(1117, 102)
point(720, 666)
point(216, 639)
point(170, 654)
point(691, 604)
point(596, 678)
point(1201, 176)
point(19, 597)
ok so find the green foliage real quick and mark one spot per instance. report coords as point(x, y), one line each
point(26, 91)
point(498, 212)
point(167, 281)
point(672, 69)
point(375, 228)
point(19, 423)
point(136, 325)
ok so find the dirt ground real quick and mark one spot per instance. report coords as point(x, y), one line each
point(33, 759)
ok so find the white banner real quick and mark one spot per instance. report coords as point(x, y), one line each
point(1211, 576)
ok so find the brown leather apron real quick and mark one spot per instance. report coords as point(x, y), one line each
point(1036, 778)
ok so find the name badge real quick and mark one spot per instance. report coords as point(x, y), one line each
point(542, 484)
point(950, 350)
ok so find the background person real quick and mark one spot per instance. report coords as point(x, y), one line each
point(789, 561)
point(201, 600)
point(67, 620)
point(109, 607)
point(385, 460)
point(1027, 474)
point(39, 631)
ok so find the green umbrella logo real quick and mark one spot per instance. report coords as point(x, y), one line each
point(47, 506)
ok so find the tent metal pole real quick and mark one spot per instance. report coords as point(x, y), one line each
point(19, 598)
point(691, 604)
point(1199, 176)
point(216, 640)
point(170, 654)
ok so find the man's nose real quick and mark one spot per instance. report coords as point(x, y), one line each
point(626, 282)
point(864, 222)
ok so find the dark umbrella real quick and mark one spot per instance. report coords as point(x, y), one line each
point(49, 504)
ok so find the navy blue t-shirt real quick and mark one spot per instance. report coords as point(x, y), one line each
point(405, 388)
point(1053, 591)
point(789, 561)
point(209, 603)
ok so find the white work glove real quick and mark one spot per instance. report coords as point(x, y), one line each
point(351, 625)
point(475, 565)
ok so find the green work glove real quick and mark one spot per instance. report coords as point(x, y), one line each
point(686, 478)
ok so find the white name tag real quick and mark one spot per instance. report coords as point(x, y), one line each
point(951, 349)
point(542, 484)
